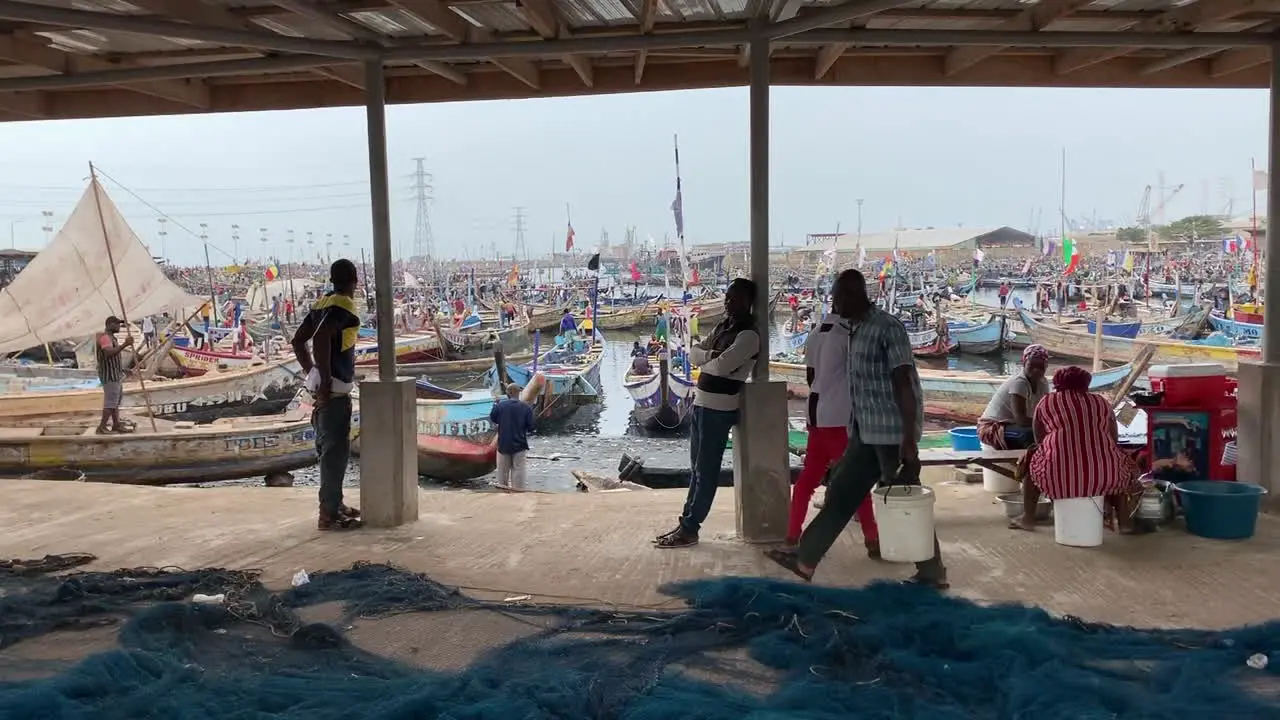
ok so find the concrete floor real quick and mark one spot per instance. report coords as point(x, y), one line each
point(595, 548)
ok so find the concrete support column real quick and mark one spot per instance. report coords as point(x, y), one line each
point(387, 411)
point(1259, 393)
point(761, 478)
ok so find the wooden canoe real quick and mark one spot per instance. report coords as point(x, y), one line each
point(259, 389)
point(1075, 344)
point(948, 394)
point(178, 453)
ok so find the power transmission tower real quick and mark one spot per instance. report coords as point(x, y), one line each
point(518, 224)
point(423, 241)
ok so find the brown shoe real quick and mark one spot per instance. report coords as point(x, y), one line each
point(338, 522)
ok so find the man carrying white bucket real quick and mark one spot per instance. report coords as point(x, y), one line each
point(884, 432)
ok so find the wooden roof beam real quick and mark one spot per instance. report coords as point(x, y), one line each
point(196, 13)
point(352, 75)
point(1034, 18)
point(1234, 61)
point(546, 21)
point(451, 24)
point(1187, 18)
point(521, 69)
point(335, 22)
point(27, 105)
point(444, 70)
point(27, 48)
point(439, 16)
point(647, 16)
point(777, 11)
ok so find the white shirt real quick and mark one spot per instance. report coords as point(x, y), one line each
point(147, 325)
point(1000, 409)
point(827, 352)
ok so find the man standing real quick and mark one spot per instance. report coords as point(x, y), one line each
point(827, 372)
point(332, 328)
point(725, 360)
point(515, 421)
point(884, 434)
point(661, 326)
point(149, 331)
point(111, 374)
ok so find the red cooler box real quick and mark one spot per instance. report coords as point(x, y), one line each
point(1192, 385)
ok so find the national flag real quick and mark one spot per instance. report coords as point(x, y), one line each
point(1261, 179)
point(1241, 243)
point(272, 272)
point(886, 268)
point(568, 239)
point(594, 262)
point(697, 279)
point(1128, 261)
point(978, 256)
point(677, 209)
point(635, 272)
point(1070, 255)
point(513, 277)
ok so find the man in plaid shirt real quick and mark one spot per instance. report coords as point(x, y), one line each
point(884, 430)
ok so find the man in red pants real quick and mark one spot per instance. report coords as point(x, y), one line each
point(827, 373)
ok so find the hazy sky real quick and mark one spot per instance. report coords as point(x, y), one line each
point(941, 157)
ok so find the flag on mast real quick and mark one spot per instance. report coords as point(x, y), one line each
point(568, 239)
point(1070, 255)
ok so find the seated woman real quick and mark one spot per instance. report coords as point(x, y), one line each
point(1006, 423)
point(640, 365)
point(1078, 453)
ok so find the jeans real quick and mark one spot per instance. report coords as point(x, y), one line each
point(1018, 438)
point(862, 468)
point(332, 423)
point(707, 437)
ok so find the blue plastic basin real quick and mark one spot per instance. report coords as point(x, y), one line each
point(1220, 510)
point(965, 439)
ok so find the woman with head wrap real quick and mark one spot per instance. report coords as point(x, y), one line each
point(1078, 454)
point(1006, 423)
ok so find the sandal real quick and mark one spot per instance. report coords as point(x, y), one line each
point(676, 539)
point(938, 583)
point(1019, 525)
point(791, 562)
point(348, 512)
point(340, 522)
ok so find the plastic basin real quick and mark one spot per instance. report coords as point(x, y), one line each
point(1219, 509)
point(965, 439)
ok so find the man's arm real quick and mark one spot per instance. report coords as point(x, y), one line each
point(110, 349)
point(744, 347)
point(493, 414)
point(299, 343)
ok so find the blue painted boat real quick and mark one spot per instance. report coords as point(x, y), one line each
point(1116, 329)
point(1248, 332)
point(663, 397)
point(455, 439)
point(988, 337)
point(568, 375)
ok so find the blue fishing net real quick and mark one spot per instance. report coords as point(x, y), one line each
point(737, 648)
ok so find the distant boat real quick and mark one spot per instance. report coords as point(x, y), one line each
point(568, 374)
point(663, 397)
point(982, 339)
point(1062, 342)
point(1248, 332)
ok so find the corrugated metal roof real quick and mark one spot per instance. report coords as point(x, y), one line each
point(923, 239)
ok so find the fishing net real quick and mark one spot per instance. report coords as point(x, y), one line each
point(735, 648)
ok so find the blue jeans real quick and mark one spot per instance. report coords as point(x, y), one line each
point(707, 438)
point(332, 423)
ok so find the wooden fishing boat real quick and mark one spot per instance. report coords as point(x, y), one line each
point(226, 449)
point(260, 389)
point(948, 394)
point(456, 367)
point(983, 338)
point(1070, 343)
point(568, 375)
point(1242, 331)
point(663, 397)
point(455, 439)
point(621, 319)
point(928, 343)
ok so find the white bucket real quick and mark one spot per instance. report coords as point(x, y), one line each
point(905, 516)
point(994, 482)
point(1078, 521)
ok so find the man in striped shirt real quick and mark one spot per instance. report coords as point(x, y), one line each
point(111, 374)
point(884, 431)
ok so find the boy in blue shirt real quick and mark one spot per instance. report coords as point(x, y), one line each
point(514, 420)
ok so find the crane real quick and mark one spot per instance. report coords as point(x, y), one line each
point(1145, 211)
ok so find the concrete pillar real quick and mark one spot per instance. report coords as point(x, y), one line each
point(761, 478)
point(1259, 393)
point(388, 423)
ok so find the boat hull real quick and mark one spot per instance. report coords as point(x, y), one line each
point(989, 337)
point(455, 439)
point(208, 453)
point(1068, 343)
point(261, 390)
point(660, 406)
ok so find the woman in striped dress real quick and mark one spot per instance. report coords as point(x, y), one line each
point(1078, 453)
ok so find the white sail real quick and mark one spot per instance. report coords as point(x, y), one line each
point(68, 290)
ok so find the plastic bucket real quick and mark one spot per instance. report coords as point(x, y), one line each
point(905, 516)
point(1220, 510)
point(993, 481)
point(1078, 521)
point(965, 439)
